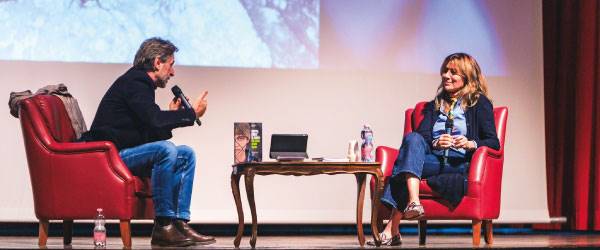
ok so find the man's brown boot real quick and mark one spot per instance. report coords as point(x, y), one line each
point(189, 232)
point(169, 236)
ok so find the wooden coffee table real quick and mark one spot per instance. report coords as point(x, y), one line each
point(359, 169)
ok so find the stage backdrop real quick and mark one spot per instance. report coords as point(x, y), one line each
point(320, 68)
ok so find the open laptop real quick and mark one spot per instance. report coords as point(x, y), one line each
point(288, 147)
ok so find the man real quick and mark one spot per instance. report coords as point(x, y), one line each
point(129, 117)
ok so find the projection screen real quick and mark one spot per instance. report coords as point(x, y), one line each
point(323, 68)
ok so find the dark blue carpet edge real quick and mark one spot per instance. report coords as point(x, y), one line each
point(83, 229)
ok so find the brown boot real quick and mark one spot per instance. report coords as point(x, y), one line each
point(169, 236)
point(189, 232)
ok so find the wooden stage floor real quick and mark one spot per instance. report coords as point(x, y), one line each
point(534, 241)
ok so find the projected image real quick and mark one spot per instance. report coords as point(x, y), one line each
point(409, 36)
point(223, 33)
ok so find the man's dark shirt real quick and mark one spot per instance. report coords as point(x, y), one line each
point(128, 115)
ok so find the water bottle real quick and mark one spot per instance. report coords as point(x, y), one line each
point(99, 229)
point(366, 148)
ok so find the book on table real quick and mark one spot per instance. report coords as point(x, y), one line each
point(247, 142)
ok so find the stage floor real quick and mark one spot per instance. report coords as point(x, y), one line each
point(567, 240)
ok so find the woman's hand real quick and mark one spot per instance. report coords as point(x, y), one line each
point(445, 141)
point(460, 141)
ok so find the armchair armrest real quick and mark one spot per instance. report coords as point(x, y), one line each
point(104, 151)
point(480, 160)
point(489, 152)
point(485, 179)
point(387, 156)
point(80, 147)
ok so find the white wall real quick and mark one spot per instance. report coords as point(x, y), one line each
point(330, 104)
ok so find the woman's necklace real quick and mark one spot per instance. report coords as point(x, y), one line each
point(451, 108)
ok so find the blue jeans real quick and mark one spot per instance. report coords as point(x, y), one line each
point(416, 158)
point(171, 170)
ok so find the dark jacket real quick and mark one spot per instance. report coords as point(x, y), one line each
point(481, 128)
point(128, 115)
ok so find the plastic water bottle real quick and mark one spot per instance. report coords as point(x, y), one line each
point(366, 148)
point(99, 229)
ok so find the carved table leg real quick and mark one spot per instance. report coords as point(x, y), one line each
point(360, 198)
point(249, 180)
point(235, 188)
point(375, 203)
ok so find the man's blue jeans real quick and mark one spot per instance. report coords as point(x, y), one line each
point(416, 158)
point(171, 170)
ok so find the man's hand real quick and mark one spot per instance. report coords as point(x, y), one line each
point(200, 104)
point(175, 104)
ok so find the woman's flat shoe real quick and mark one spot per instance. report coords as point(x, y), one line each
point(382, 237)
point(385, 241)
point(413, 211)
point(394, 241)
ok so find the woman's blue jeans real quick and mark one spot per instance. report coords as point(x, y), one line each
point(171, 170)
point(416, 158)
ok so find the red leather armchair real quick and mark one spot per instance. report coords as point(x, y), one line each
point(481, 203)
point(70, 180)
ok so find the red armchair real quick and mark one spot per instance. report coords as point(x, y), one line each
point(71, 179)
point(481, 203)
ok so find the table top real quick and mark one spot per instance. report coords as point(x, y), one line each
point(307, 167)
point(306, 163)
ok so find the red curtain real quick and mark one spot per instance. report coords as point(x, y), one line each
point(572, 110)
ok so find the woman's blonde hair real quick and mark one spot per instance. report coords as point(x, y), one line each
point(471, 75)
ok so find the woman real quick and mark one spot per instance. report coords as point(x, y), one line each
point(460, 107)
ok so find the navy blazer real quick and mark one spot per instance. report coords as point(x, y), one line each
point(481, 126)
point(128, 115)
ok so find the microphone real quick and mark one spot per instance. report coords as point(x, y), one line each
point(449, 124)
point(186, 104)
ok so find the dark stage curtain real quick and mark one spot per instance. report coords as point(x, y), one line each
point(572, 110)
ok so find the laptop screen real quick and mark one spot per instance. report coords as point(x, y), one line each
point(288, 145)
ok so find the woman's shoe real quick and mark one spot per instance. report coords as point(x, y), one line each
point(382, 237)
point(413, 211)
point(394, 241)
point(385, 241)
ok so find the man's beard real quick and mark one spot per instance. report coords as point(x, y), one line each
point(161, 83)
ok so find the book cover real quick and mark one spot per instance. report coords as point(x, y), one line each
point(247, 142)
